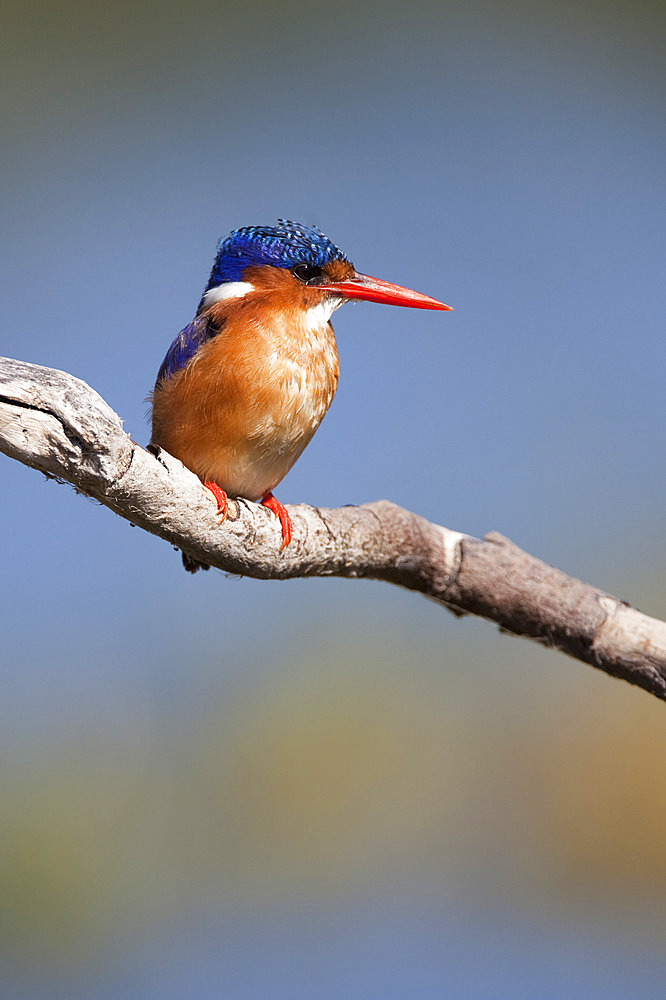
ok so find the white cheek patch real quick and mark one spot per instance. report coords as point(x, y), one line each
point(319, 315)
point(228, 290)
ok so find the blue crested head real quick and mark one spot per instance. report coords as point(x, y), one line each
point(286, 244)
point(283, 245)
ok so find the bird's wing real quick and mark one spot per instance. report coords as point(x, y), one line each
point(186, 344)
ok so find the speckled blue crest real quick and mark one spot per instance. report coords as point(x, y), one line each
point(284, 245)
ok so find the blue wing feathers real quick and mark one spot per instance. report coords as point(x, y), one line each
point(186, 344)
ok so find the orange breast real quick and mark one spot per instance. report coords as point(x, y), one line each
point(245, 406)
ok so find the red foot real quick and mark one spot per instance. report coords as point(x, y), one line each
point(280, 511)
point(220, 498)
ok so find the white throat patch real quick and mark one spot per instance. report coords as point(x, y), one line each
point(228, 290)
point(318, 316)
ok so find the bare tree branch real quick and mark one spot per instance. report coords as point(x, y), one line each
point(59, 425)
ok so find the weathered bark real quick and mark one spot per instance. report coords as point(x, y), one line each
point(59, 425)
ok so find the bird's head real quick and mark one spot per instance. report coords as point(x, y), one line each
point(300, 262)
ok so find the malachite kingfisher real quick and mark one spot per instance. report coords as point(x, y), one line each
point(245, 385)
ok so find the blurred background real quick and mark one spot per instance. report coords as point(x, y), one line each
point(214, 787)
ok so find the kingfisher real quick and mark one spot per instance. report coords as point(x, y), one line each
point(245, 385)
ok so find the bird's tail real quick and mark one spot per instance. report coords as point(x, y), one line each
point(193, 565)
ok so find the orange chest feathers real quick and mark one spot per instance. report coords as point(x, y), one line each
point(245, 406)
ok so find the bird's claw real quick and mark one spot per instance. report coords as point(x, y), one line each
point(219, 499)
point(282, 514)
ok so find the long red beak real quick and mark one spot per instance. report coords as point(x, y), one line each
point(362, 286)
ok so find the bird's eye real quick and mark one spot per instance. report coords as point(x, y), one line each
point(307, 273)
